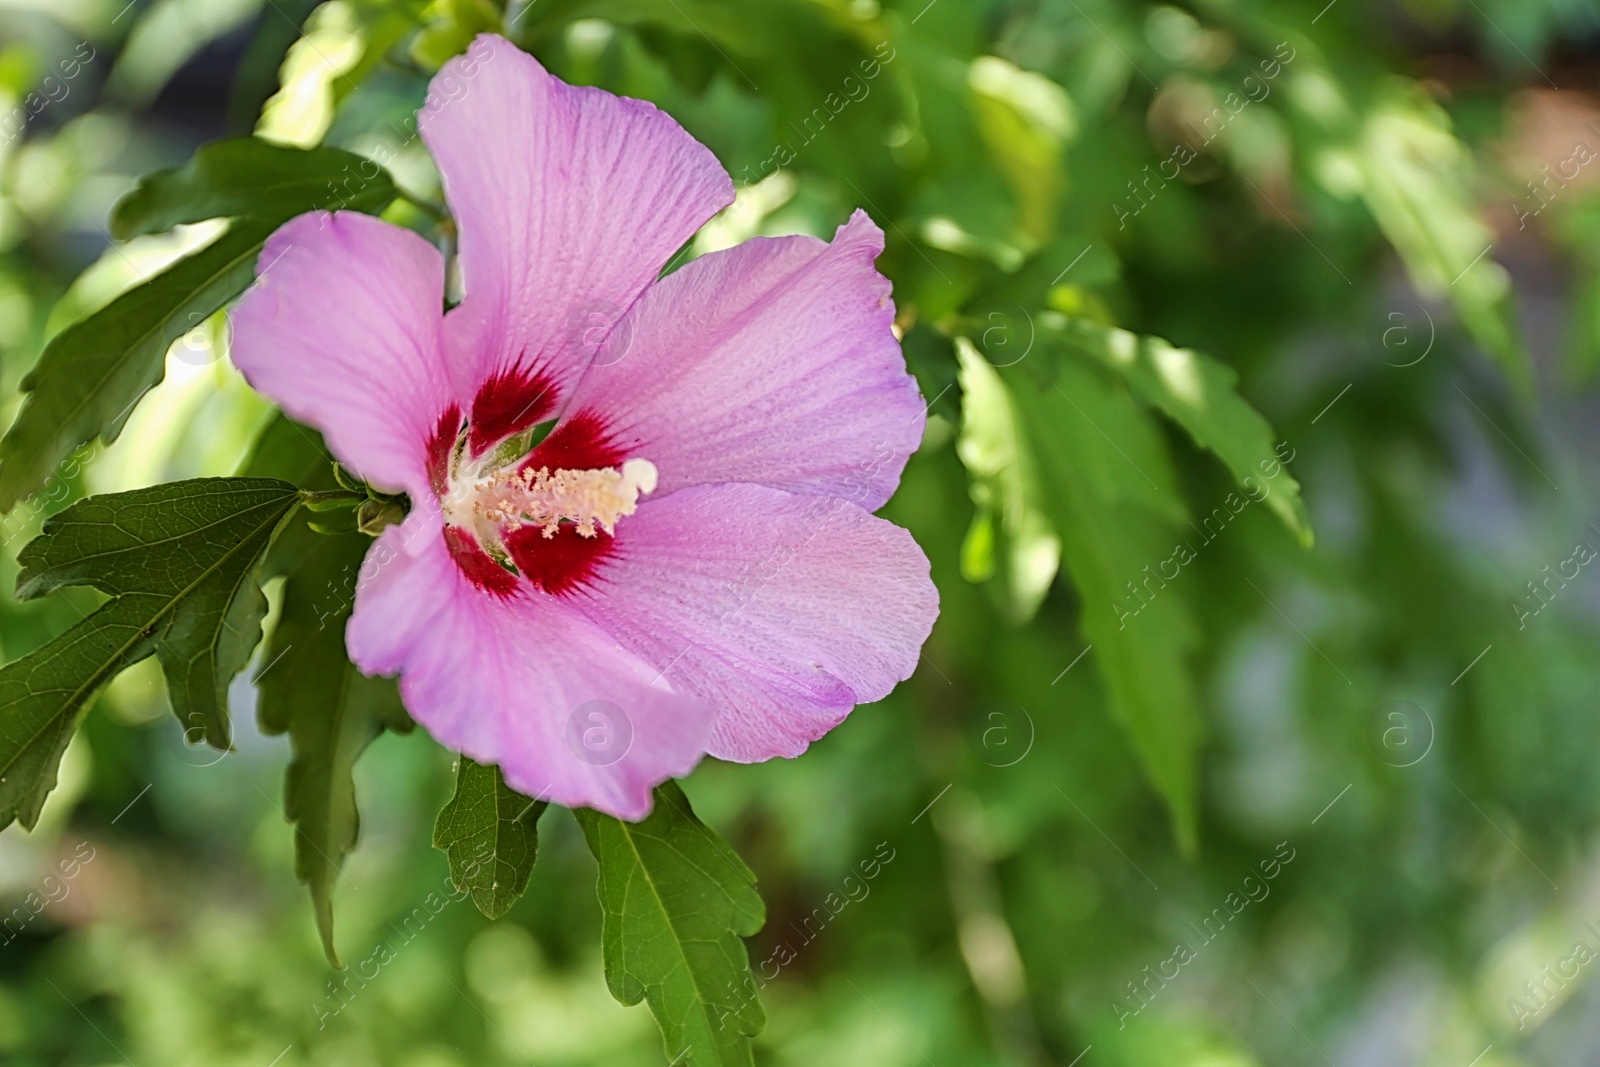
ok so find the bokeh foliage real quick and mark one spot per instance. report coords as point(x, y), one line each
point(1154, 264)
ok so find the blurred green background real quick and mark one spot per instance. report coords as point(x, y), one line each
point(1385, 217)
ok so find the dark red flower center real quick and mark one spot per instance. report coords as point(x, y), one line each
point(546, 519)
point(508, 403)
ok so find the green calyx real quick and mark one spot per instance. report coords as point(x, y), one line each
point(374, 511)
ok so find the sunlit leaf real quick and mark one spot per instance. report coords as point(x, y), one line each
point(490, 833)
point(1416, 187)
point(1201, 395)
point(676, 900)
point(1010, 535)
point(450, 29)
point(1026, 120)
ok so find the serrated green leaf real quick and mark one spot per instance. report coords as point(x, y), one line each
point(244, 177)
point(676, 901)
point(44, 694)
point(329, 709)
point(193, 546)
point(1140, 640)
point(1010, 536)
point(179, 563)
point(331, 724)
point(93, 373)
point(490, 833)
point(1201, 395)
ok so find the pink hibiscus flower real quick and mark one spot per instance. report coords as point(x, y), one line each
point(686, 563)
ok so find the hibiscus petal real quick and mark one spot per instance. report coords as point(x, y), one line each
point(521, 681)
point(341, 331)
point(569, 200)
point(773, 363)
point(784, 611)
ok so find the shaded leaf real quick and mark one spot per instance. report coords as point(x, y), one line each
point(329, 709)
point(1201, 395)
point(192, 545)
point(931, 360)
point(179, 561)
point(490, 833)
point(44, 694)
point(676, 900)
point(329, 724)
point(290, 452)
point(1127, 459)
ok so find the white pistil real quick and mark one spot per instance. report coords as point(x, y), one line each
point(586, 498)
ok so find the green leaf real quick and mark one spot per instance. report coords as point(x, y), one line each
point(330, 723)
point(292, 453)
point(1415, 186)
point(490, 833)
point(451, 30)
point(1079, 429)
point(1026, 121)
point(1201, 395)
point(1010, 535)
point(676, 900)
point(93, 373)
point(249, 178)
point(1578, 233)
point(189, 550)
point(329, 709)
point(1127, 461)
point(44, 694)
point(179, 562)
